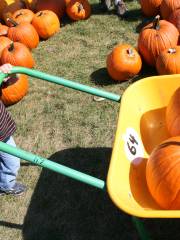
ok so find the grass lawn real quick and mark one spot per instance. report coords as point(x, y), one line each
point(68, 127)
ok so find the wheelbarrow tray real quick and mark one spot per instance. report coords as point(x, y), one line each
point(141, 126)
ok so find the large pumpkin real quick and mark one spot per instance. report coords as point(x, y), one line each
point(4, 42)
point(156, 37)
point(57, 6)
point(23, 15)
point(25, 33)
point(14, 89)
point(46, 23)
point(17, 54)
point(163, 173)
point(123, 62)
point(173, 114)
point(168, 6)
point(78, 9)
point(150, 7)
point(168, 61)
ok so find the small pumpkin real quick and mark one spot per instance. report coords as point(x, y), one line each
point(23, 32)
point(168, 61)
point(156, 37)
point(46, 23)
point(23, 15)
point(123, 62)
point(167, 7)
point(3, 30)
point(17, 54)
point(150, 7)
point(173, 114)
point(78, 9)
point(163, 174)
point(4, 42)
point(13, 90)
point(57, 6)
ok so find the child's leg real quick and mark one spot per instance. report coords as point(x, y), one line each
point(9, 166)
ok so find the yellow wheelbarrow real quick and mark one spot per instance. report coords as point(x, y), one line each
point(141, 126)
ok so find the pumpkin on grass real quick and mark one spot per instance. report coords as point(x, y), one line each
point(14, 89)
point(168, 61)
point(23, 32)
point(167, 7)
point(173, 114)
point(23, 15)
point(78, 9)
point(17, 54)
point(156, 37)
point(123, 62)
point(46, 23)
point(163, 173)
point(150, 7)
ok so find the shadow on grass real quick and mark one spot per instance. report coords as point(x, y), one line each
point(62, 208)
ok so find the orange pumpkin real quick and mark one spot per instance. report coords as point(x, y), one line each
point(78, 9)
point(163, 173)
point(23, 15)
point(168, 6)
point(4, 42)
point(57, 6)
point(168, 61)
point(150, 7)
point(123, 62)
point(25, 33)
point(46, 23)
point(3, 30)
point(14, 89)
point(156, 37)
point(17, 54)
point(173, 114)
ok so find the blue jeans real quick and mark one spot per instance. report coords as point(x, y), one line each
point(9, 166)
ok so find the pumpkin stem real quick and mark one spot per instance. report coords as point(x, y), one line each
point(11, 47)
point(20, 14)
point(40, 14)
point(80, 7)
point(12, 21)
point(156, 22)
point(130, 52)
point(171, 50)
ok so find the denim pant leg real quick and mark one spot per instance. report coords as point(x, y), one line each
point(9, 166)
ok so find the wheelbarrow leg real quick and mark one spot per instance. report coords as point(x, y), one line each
point(142, 232)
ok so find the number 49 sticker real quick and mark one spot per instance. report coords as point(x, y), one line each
point(132, 144)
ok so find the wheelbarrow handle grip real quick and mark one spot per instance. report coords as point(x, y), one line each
point(63, 82)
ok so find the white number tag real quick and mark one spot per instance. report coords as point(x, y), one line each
point(132, 144)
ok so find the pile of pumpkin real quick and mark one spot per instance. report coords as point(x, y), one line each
point(24, 23)
point(157, 43)
point(163, 165)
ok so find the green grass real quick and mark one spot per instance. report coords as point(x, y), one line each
point(70, 128)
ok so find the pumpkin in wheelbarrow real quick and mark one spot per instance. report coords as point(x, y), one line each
point(163, 174)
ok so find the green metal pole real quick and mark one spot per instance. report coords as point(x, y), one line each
point(143, 234)
point(66, 83)
point(56, 167)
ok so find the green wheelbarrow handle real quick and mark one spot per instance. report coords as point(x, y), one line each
point(63, 82)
